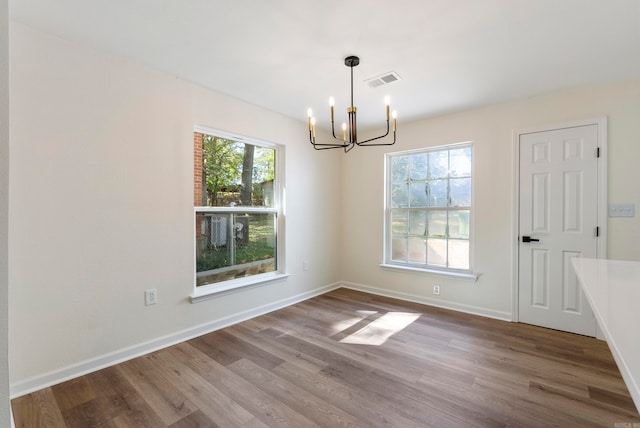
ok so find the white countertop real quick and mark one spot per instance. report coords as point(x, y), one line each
point(612, 288)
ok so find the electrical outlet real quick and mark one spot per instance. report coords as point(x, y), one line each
point(436, 290)
point(151, 297)
point(305, 265)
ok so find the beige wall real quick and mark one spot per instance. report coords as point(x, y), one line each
point(491, 129)
point(4, 213)
point(102, 206)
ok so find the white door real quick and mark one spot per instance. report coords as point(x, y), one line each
point(558, 218)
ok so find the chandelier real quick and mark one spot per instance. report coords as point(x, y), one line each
point(349, 132)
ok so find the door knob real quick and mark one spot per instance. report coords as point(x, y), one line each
point(529, 239)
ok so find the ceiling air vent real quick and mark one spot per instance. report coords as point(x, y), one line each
point(385, 79)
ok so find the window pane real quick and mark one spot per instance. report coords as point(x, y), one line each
point(399, 168)
point(460, 161)
point(399, 249)
point(459, 224)
point(437, 252)
point(418, 194)
point(460, 192)
point(418, 169)
point(439, 164)
point(458, 254)
point(234, 245)
point(437, 224)
point(417, 250)
point(262, 176)
point(236, 173)
point(437, 193)
point(417, 223)
point(399, 195)
point(399, 221)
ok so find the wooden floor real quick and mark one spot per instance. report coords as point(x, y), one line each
point(351, 359)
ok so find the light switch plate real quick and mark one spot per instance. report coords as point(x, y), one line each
point(622, 210)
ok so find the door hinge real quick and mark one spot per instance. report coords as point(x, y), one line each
point(598, 152)
point(597, 231)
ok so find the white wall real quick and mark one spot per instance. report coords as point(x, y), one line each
point(4, 213)
point(101, 206)
point(491, 128)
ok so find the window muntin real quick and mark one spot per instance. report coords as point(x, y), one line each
point(237, 207)
point(428, 208)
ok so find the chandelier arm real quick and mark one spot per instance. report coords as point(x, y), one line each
point(328, 148)
point(379, 144)
point(325, 146)
point(348, 148)
point(322, 146)
point(365, 143)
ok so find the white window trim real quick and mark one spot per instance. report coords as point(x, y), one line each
point(461, 274)
point(210, 291)
point(428, 269)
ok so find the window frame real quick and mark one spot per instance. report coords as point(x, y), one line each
point(208, 291)
point(388, 234)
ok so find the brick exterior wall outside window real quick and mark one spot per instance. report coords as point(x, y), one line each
point(197, 169)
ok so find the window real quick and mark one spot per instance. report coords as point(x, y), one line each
point(237, 211)
point(428, 208)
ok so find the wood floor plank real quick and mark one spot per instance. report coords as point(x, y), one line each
point(88, 414)
point(211, 401)
point(284, 353)
point(348, 358)
point(169, 403)
point(266, 408)
point(303, 402)
point(194, 420)
point(37, 410)
point(580, 406)
point(73, 393)
point(361, 403)
point(114, 399)
point(358, 356)
point(114, 393)
point(620, 401)
point(254, 423)
point(226, 349)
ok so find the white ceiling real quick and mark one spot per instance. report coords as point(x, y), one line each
point(288, 55)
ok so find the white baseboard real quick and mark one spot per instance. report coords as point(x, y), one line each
point(474, 310)
point(81, 368)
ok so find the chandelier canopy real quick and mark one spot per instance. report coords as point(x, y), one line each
point(349, 129)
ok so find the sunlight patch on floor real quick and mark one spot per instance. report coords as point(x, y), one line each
point(342, 325)
point(378, 331)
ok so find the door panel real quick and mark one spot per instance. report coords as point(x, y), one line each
point(540, 278)
point(558, 207)
point(540, 203)
point(571, 290)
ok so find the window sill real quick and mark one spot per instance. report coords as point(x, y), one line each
point(451, 274)
point(212, 291)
